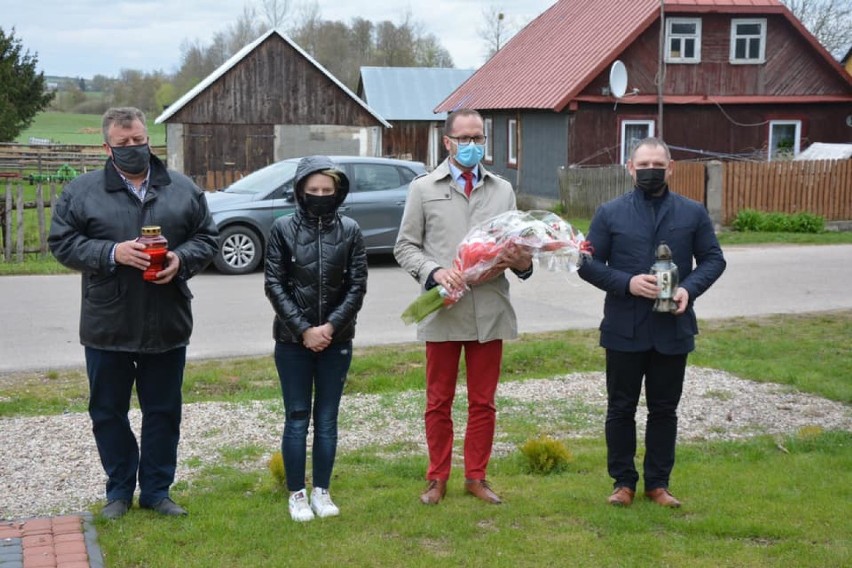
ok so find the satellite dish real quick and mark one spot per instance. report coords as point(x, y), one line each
point(618, 79)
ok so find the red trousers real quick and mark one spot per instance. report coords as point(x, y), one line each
point(483, 371)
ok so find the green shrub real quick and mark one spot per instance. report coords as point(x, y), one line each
point(807, 223)
point(747, 220)
point(276, 467)
point(545, 455)
point(757, 221)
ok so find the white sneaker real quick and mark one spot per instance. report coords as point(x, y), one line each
point(299, 509)
point(322, 504)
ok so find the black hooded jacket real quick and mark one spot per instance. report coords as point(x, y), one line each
point(316, 267)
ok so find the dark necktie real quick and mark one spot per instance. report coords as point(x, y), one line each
point(468, 182)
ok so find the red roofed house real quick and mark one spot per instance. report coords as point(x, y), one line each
point(741, 78)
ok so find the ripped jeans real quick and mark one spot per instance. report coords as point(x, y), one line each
point(305, 374)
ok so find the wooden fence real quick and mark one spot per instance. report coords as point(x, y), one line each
point(43, 161)
point(582, 190)
point(821, 187)
point(13, 208)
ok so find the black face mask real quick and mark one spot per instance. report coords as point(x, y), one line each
point(132, 160)
point(320, 205)
point(651, 180)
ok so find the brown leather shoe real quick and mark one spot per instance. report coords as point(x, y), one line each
point(480, 488)
point(621, 497)
point(661, 496)
point(435, 491)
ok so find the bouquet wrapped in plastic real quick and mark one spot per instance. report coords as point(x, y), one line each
point(552, 241)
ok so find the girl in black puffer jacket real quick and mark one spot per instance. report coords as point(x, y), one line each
point(315, 279)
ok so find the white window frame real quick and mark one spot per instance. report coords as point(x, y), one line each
point(489, 141)
point(696, 37)
point(512, 141)
point(772, 146)
point(761, 57)
point(625, 151)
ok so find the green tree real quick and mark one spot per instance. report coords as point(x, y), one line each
point(22, 90)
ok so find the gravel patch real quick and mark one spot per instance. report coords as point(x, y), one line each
point(50, 465)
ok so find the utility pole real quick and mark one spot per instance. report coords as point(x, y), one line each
point(661, 69)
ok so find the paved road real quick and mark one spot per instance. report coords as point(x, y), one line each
point(233, 318)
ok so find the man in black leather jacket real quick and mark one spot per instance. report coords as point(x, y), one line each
point(315, 279)
point(134, 330)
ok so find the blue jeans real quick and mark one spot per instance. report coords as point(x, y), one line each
point(304, 373)
point(158, 378)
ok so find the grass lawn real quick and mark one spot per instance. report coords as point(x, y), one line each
point(762, 502)
point(747, 504)
point(69, 128)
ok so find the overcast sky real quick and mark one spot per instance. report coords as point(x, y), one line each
point(83, 38)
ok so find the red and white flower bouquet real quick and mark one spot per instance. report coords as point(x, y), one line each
point(553, 242)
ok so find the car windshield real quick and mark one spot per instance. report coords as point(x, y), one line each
point(265, 179)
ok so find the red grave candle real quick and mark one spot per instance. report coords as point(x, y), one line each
point(156, 246)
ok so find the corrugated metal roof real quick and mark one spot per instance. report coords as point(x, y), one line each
point(549, 62)
point(409, 93)
point(826, 151)
point(239, 56)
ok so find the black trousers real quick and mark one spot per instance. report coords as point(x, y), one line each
point(663, 376)
point(158, 378)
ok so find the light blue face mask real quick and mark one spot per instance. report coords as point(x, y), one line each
point(468, 155)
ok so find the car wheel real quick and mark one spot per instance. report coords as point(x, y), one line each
point(239, 251)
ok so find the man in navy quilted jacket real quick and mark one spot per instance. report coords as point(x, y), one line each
point(642, 343)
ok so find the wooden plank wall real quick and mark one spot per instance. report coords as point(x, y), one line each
point(582, 190)
point(820, 187)
point(688, 179)
point(23, 159)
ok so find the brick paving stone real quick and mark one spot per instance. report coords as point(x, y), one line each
point(69, 558)
point(40, 562)
point(36, 530)
point(70, 548)
point(67, 528)
point(69, 537)
point(11, 553)
point(9, 530)
point(36, 526)
point(37, 540)
point(38, 551)
point(67, 541)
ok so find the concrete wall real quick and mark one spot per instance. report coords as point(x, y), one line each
point(174, 146)
point(293, 141)
point(714, 193)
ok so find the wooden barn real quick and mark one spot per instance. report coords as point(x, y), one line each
point(579, 85)
point(268, 102)
point(405, 97)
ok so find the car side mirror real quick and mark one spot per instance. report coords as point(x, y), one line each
point(289, 195)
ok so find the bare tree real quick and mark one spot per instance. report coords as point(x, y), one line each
point(342, 49)
point(395, 43)
point(830, 21)
point(305, 27)
point(496, 29)
point(242, 32)
point(275, 12)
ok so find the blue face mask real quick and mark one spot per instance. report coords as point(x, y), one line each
point(468, 155)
